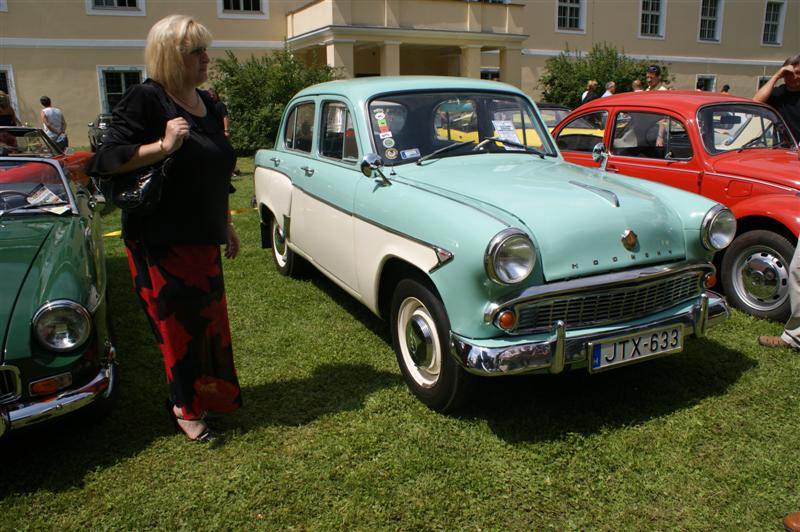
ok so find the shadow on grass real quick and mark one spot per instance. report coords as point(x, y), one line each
point(550, 407)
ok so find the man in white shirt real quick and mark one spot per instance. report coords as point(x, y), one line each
point(653, 76)
point(611, 88)
point(54, 123)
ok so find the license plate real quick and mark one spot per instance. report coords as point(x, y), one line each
point(633, 348)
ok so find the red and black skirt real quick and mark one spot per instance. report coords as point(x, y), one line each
point(182, 292)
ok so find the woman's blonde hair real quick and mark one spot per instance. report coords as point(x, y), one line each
point(168, 40)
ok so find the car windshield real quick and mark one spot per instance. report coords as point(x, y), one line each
point(26, 142)
point(735, 127)
point(29, 186)
point(409, 126)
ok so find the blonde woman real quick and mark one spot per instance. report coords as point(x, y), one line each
point(174, 251)
point(7, 115)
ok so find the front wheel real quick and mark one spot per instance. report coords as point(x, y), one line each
point(420, 337)
point(755, 274)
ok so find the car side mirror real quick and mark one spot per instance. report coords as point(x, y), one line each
point(600, 155)
point(371, 163)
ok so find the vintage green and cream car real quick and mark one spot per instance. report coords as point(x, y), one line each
point(57, 354)
point(443, 205)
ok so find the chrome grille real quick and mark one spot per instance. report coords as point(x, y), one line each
point(9, 384)
point(593, 308)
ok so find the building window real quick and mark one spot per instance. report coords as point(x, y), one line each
point(706, 82)
point(114, 82)
point(116, 7)
point(773, 22)
point(710, 17)
point(247, 9)
point(490, 73)
point(570, 15)
point(761, 80)
point(3, 5)
point(7, 85)
point(653, 14)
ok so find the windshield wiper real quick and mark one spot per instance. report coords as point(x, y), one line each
point(528, 149)
point(444, 149)
point(33, 206)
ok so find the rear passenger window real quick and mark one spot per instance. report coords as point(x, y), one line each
point(651, 136)
point(583, 133)
point(299, 132)
point(337, 138)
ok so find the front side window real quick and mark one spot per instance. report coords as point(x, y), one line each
point(583, 133)
point(570, 15)
point(739, 127)
point(406, 127)
point(710, 11)
point(337, 136)
point(651, 136)
point(652, 18)
point(115, 82)
point(773, 23)
point(299, 129)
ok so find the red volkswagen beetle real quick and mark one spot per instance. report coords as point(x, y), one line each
point(730, 149)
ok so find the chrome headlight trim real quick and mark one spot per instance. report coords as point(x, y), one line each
point(718, 214)
point(82, 315)
point(496, 245)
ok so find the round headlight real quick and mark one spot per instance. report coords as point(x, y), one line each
point(62, 325)
point(510, 257)
point(719, 228)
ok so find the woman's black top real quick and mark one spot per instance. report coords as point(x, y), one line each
point(194, 201)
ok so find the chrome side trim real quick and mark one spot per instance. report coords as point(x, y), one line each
point(751, 180)
point(603, 193)
point(557, 349)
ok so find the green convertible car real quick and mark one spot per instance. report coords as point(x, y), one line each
point(444, 206)
point(57, 353)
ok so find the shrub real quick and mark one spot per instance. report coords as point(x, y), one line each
point(566, 75)
point(256, 91)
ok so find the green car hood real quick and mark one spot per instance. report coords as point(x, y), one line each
point(575, 215)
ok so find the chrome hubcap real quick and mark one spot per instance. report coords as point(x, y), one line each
point(419, 342)
point(762, 279)
point(278, 241)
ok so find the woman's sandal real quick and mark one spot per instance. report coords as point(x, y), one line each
point(207, 436)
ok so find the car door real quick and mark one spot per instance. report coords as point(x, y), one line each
point(653, 145)
point(322, 210)
point(579, 136)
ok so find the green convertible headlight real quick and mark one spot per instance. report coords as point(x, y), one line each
point(510, 257)
point(718, 229)
point(62, 325)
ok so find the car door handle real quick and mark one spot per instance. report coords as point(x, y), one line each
point(275, 161)
point(308, 170)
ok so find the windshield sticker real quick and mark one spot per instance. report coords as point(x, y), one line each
point(391, 153)
point(377, 110)
point(386, 135)
point(379, 115)
point(408, 154)
point(505, 130)
point(388, 142)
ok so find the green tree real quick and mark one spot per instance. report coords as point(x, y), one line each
point(256, 91)
point(566, 75)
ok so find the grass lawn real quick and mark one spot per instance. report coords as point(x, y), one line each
point(331, 439)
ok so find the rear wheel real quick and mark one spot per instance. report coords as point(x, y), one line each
point(420, 337)
point(755, 274)
point(286, 261)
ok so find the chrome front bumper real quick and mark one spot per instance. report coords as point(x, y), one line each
point(18, 415)
point(559, 349)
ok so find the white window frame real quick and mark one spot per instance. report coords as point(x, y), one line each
point(582, 22)
point(263, 15)
point(3, 5)
point(12, 91)
point(779, 36)
point(101, 80)
point(759, 79)
point(712, 77)
point(662, 23)
point(139, 11)
point(718, 26)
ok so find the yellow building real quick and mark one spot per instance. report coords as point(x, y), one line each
point(85, 53)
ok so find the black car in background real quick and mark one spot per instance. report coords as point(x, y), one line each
point(97, 129)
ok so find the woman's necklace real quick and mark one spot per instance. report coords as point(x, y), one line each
point(195, 105)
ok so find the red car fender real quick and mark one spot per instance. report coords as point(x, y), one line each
point(783, 208)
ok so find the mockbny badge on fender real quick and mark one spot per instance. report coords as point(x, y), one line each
point(629, 239)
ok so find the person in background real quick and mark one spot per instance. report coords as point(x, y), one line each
point(653, 76)
point(699, 86)
point(611, 88)
point(636, 85)
point(7, 115)
point(785, 98)
point(54, 123)
point(174, 251)
point(725, 89)
point(591, 91)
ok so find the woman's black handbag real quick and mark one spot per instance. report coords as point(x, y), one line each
point(140, 190)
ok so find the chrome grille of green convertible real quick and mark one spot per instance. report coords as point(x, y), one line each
point(594, 308)
point(8, 385)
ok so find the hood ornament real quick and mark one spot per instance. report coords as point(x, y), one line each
point(629, 239)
